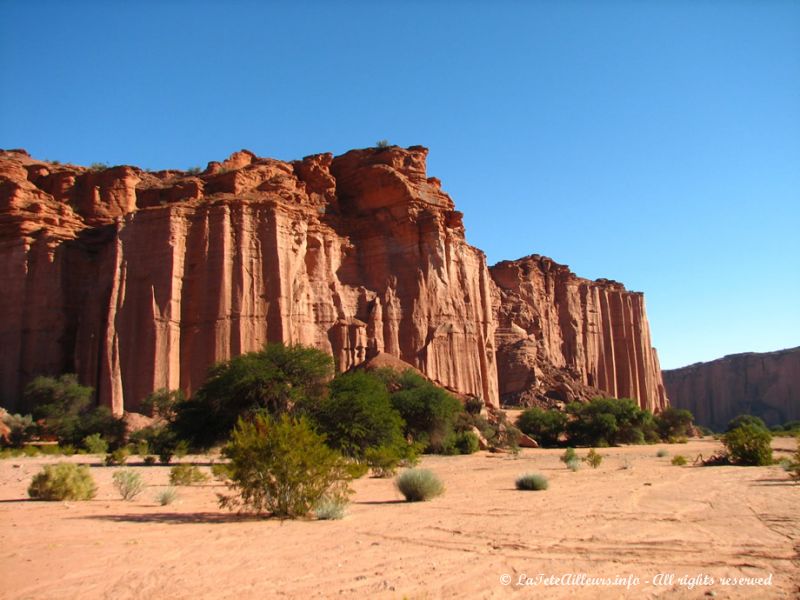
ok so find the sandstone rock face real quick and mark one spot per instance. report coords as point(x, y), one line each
point(562, 338)
point(139, 280)
point(766, 385)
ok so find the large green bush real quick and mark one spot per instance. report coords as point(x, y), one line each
point(609, 422)
point(275, 380)
point(63, 481)
point(545, 426)
point(749, 444)
point(357, 415)
point(68, 412)
point(740, 420)
point(283, 467)
point(429, 411)
point(674, 423)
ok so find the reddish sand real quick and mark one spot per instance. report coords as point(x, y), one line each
point(637, 515)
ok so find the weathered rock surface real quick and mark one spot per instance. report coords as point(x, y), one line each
point(766, 385)
point(562, 338)
point(138, 280)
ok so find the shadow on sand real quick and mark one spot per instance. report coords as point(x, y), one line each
point(180, 518)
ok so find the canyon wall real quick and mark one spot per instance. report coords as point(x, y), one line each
point(562, 338)
point(138, 280)
point(766, 385)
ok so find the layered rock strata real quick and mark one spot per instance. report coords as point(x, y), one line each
point(766, 385)
point(138, 280)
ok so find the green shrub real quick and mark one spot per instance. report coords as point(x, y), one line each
point(466, 442)
point(167, 496)
point(117, 457)
point(794, 465)
point(569, 454)
point(221, 471)
point(67, 411)
point(98, 166)
point(128, 483)
point(419, 485)
point(30, 451)
point(161, 403)
point(63, 481)
point(149, 460)
point(678, 460)
point(608, 422)
point(330, 508)
point(532, 481)
point(662, 453)
point(429, 412)
point(383, 461)
point(186, 475)
point(276, 379)
point(749, 444)
point(95, 444)
point(545, 426)
point(740, 420)
point(593, 459)
point(283, 467)
point(673, 423)
point(573, 464)
point(358, 415)
point(21, 429)
point(382, 144)
point(473, 405)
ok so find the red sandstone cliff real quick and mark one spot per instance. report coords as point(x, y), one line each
point(562, 338)
point(766, 385)
point(138, 280)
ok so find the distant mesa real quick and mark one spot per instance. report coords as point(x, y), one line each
point(766, 385)
point(138, 280)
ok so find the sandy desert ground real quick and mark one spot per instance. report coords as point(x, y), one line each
point(637, 516)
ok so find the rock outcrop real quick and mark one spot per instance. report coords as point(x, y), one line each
point(139, 280)
point(562, 338)
point(766, 385)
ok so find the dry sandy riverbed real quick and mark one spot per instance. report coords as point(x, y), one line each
point(642, 521)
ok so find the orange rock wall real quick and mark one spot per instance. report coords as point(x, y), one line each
point(562, 338)
point(766, 385)
point(139, 280)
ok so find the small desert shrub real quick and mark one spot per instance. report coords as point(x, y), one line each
point(30, 451)
point(95, 444)
point(63, 481)
point(466, 442)
point(662, 453)
point(419, 484)
point(220, 471)
point(283, 467)
point(193, 170)
point(186, 475)
point(593, 459)
point(678, 460)
point(22, 428)
point(749, 444)
point(382, 144)
point(142, 448)
point(569, 454)
point(330, 509)
point(149, 460)
point(383, 461)
point(573, 464)
point(98, 166)
point(117, 457)
point(167, 496)
point(129, 483)
point(473, 405)
point(794, 466)
point(532, 481)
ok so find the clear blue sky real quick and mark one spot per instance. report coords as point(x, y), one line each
point(656, 143)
